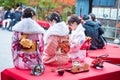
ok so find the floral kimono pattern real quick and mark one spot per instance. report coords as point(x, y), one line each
point(23, 58)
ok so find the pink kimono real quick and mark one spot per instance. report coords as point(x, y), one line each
point(57, 47)
point(52, 54)
point(26, 58)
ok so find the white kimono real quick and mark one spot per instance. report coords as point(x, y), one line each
point(77, 38)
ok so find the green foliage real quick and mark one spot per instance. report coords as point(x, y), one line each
point(45, 7)
point(11, 3)
point(66, 9)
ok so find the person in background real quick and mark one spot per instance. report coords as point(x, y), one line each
point(56, 41)
point(77, 37)
point(18, 15)
point(68, 16)
point(1, 15)
point(27, 41)
point(6, 21)
point(12, 17)
point(93, 29)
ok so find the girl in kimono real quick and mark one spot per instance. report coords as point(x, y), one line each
point(27, 41)
point(56, 41)
point(77, 38)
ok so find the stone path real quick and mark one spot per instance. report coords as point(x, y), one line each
point(5, 51)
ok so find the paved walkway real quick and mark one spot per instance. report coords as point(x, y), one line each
point(5, 51)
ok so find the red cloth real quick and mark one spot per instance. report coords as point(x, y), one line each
point(0, 22)
point(44, 24)
point(112, 50)
point(109, 72)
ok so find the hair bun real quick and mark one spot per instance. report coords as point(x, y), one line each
point(28, 13)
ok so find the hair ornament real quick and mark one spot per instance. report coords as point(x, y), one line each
point(56, 17)
point(32, 13)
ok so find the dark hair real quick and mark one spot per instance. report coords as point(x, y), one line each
point(93, 17)
point(68, 13)
point(54, 16)
point(19, 5)
point(85, 17)
point(74, 18)
point(28, 13)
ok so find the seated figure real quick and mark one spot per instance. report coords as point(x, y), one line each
point(56, 42)
point(27, 42)
point(77, 38)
